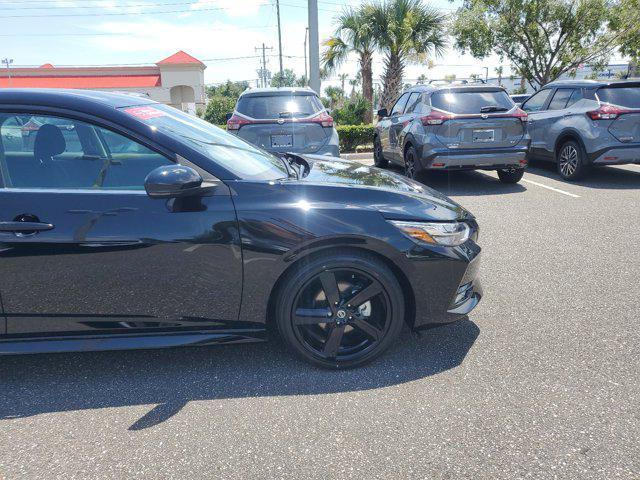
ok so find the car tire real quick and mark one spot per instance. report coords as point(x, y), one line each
point(378, 158)
point(571, 161)
point(513, 175)
point(411, 162)
point(346, 334)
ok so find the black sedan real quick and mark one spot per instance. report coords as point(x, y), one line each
point(139, 226)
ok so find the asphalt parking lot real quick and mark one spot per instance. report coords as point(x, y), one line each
point(542, 380)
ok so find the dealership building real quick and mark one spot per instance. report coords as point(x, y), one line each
point(177, 80)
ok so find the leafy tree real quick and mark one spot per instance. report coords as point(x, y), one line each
point(625, 22)
point(543, 39)
point(287, 79)
point(352, 35)
point(217, 109)
point(404, 31)
point(352, 111)
point(227, 89)
point(422, 79)
point(334, 97)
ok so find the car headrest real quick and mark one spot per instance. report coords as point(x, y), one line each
point(49, 142)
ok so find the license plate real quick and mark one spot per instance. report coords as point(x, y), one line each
point(281, 141)
point(483, 135)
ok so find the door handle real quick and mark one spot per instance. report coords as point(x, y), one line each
point(18, 227)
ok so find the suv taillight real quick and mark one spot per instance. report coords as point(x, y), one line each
point(324, 119)
point(236, 121)
point(606, 112)
point(436, 117)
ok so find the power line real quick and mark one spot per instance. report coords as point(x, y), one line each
point(123, 13)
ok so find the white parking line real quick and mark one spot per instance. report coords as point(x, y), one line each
point(551, 188)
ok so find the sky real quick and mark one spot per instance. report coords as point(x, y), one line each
point(224, 34)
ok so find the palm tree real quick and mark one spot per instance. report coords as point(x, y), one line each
point(352, 35)
point(405, 31)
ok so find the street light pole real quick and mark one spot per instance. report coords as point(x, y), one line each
point(306, 36)
point(279, 39)
point(314, 47)
point(8, 62)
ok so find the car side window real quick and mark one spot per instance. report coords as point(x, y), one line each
point(57, 153)
point(398, 108)
point(560, 98)
point(413, 102)
point(576, 96)
point(537, 101)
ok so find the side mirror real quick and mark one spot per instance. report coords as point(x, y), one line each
point(383, 112)
point(228, 116)
point(172, 181)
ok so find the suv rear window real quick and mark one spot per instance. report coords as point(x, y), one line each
point(624, 96)
point(296, 105)
point(470, 102)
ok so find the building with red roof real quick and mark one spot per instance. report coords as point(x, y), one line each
point(177, 80)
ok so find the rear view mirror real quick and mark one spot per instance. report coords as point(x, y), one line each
point(383, 112)
point(173, 181)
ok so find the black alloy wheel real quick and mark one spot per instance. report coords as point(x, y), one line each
point(378, 158)
point(511, 175)
point(342, 312)
point(410, 162)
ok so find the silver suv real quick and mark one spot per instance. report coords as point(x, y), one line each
point(454, 128)
point(284, 120)
point(579, 124)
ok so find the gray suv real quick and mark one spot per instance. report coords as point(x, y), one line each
point(582, 123)
point(454, 128)
point(284, 120)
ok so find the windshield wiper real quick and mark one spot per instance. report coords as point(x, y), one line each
point(493, 108)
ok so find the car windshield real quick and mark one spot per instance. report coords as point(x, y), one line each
point(231, 152)
point(274, 106)
point(472, 102)
point(623, 96)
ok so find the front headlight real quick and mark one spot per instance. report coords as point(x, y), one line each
point(447, 234)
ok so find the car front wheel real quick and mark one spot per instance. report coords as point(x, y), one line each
point(378, 158)
point(571, 161)
point(510, 175)
point(340, 311)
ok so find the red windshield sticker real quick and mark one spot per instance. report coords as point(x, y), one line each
point(144, 113)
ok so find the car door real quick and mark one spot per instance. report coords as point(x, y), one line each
point(548, 120)
point(535, 107)
point(96, 254)
point(390, 150)
point(408, 115)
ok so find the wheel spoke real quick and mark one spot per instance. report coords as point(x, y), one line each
point(311, 316)
point(334, 339)
point(330, 288)
point(367, 328)
point(365, 294)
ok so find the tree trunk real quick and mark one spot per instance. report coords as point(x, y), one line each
point(392, 79)
point(634, 70)
point(367, 85)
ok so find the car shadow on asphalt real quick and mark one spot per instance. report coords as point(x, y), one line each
point(465, 183)
point(608, 177)
point(169, 379)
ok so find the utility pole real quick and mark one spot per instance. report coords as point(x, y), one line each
point(314, 47)
point(279, 38)
point(263, 68)
point(8, 62)
point(306, 36)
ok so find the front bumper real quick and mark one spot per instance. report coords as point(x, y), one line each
point(445, 282)
point(468, 159)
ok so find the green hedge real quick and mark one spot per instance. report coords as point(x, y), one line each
point(352, 136)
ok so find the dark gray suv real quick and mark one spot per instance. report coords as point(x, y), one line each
point(454, 128)
point(282, 120)
point(582, 123)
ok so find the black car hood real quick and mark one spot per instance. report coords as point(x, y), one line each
point(413, 200)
